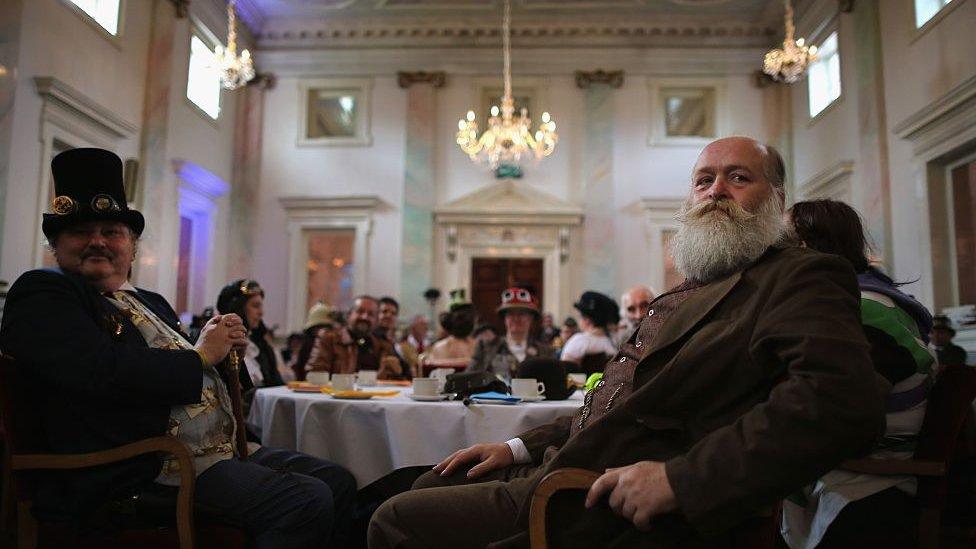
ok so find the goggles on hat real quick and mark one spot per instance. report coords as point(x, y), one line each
point(515, 294)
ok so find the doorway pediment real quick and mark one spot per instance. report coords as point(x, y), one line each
point(509, 202)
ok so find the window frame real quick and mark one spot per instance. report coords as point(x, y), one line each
point(936, 18)
point(657, 135)
point(362, 89)
point(114, 39)
point(210, 40)
point(834, 29)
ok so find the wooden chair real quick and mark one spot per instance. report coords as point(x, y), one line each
point(949, 404)
point(24, 456)
point(758, 533)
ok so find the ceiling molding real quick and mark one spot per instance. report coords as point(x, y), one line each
point(482, 62)
point(556, 34)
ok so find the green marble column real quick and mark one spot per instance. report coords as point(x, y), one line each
point(599, 262)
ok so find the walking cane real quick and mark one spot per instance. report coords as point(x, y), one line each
point(232, 364)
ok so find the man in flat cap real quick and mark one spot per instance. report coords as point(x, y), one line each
point(107, 364)
point(740, 385)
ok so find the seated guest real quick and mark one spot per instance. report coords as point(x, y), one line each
point(549, 329)
point(291, 350)
point(502, 356)
point(321, 318)
point(354, 347)
point(110, 366)
point(844, 509)
point(484, 333)
point(597, 311)
point(417, 334)
point(566, 331)
point(245, 298)
point(949, 353)
point(386, 326)
point(458, 345)
point(744, 383)
point(635, 304)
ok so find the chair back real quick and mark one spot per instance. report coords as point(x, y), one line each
point(21, 430)
point(594, 363)
point(949, 403)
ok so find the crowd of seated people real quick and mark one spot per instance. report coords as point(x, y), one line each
point(783, 352)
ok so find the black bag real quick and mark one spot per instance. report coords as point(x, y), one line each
point(466, 384)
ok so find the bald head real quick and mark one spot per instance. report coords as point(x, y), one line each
point(636, 302)
point(738, 168)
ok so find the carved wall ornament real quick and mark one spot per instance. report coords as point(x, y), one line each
point(437, 79)
point(585, 79)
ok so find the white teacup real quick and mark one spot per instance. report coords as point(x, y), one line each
point(527, 387)
point(317, 378)
point(426, 386)
point(343, 382)
point(366, 377)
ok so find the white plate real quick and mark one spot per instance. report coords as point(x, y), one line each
point(536, 398)
point(428, 398)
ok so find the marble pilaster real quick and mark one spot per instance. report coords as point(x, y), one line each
point(598, 259)
point(418, 196)
point(874, 187)
point(10, 21)
point(246, 176)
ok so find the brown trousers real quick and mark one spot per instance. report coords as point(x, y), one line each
point(455, 512)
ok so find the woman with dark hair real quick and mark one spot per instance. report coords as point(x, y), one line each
point(845, 509)
point(246, 299)
point(598, 312)
point(458, 345)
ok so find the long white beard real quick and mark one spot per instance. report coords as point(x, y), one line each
point(719, 237)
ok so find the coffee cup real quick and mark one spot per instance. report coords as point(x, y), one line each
point(317, 378)
point(426, 386)
point(527, 388)
point(343, 382)
point(366, 377)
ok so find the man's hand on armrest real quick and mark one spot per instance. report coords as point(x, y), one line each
point(490, 457)
point(637, 492)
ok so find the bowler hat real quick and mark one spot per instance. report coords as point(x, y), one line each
point(88, 187)
point(599, 308)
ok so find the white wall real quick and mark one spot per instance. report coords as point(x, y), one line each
point(639, 171)
point(56, 41)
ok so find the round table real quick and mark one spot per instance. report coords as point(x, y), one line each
point(373, 437)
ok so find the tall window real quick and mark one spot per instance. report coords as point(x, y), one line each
point(330, 267)
point(926, 9)
point(824, 78)
point(104, 12)
point(203, 80)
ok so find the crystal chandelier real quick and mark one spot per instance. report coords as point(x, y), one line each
point(234, 71)
point(790, 63)
point(507, 137)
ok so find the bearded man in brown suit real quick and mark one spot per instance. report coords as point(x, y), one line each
point(742, 384)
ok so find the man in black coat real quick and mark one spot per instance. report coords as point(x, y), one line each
point(108, 364)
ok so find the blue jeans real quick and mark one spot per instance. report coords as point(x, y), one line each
point(281, 498)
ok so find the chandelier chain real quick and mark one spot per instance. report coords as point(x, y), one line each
point(790, 30)
point(231, 26)
point(507, 47)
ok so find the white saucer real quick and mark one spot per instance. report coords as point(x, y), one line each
point(536, 398)
point(428, 398)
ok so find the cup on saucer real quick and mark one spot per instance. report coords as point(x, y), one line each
point(528, 389)
point(366, 377)
point(426, 386)
point(343, 382)
point(317, 378)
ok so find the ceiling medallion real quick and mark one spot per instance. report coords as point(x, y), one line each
point(507, 137)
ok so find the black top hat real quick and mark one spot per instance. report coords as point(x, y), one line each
point(88, 187)
point(599, 308)
point(549, 371)
point(941, 322)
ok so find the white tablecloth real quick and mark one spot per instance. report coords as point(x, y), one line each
point(373, 437)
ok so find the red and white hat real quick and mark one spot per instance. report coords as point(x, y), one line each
point(517, 298)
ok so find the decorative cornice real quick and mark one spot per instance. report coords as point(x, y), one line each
point(824, 180)
point(614, 79)
point(944, 125)
point(264, 80)
point(406, 79)
point(360, 34)
point(318, 203)
point(52, 89)
point(182, 8)
point(954, 98)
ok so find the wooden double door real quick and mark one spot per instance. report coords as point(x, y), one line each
point(490, 276)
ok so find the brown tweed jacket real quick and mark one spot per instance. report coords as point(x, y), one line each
point(336, 353)
point(755, 386)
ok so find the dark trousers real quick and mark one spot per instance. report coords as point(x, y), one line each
point(281, 498)
point(887, 519)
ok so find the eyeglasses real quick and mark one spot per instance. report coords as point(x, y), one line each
point(522, 295)
point(639, 306)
